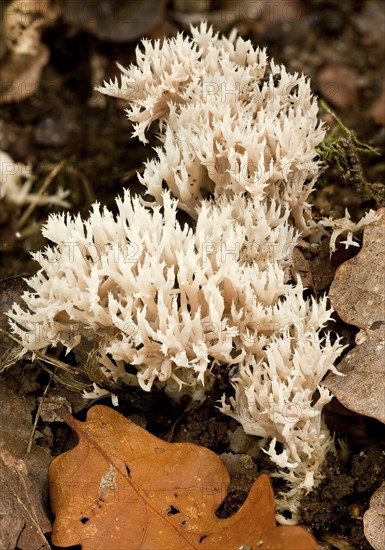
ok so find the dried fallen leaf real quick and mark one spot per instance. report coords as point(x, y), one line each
point(16, 423)
point(362, 389)
point(23, 521)
point(122, 487)
point(358, 295)
point(374, 520)
point(23, 477)
point(357, 292)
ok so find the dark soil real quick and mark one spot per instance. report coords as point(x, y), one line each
point(64, 121)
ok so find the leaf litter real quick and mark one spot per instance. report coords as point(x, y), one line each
point(122, 487)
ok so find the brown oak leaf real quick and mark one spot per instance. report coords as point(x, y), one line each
point(123, 488)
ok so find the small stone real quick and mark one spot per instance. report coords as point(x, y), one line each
point(51, 132)
point(242, 443)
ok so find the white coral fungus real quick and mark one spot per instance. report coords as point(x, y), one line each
point(345, 225)
point(228, 119)
point(238, 137)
